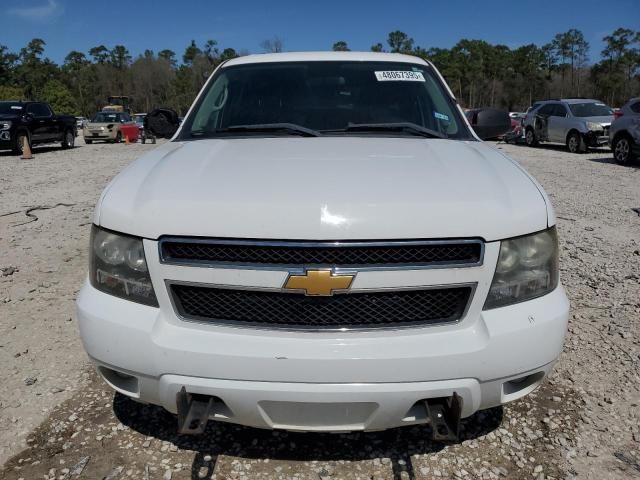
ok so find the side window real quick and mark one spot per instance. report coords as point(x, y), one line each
point(125, 117)
point(560, 110)
point(208, 114)
point(39, 110)
point(635, 107)
point(546, 110)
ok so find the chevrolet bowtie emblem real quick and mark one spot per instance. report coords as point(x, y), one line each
point(319, 282)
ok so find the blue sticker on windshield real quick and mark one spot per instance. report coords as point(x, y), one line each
point(441, 116)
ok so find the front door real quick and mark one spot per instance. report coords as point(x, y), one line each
point(41, 123)
point(557, 129)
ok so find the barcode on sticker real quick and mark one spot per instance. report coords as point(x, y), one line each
point(399, 76)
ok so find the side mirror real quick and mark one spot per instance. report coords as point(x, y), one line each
point(27, 117)
point(489, 122)
point(162, 122)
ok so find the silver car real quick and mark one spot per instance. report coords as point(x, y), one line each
point(576, 123)
point(624, 136)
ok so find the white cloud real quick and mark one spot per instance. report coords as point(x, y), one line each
point(50, 9)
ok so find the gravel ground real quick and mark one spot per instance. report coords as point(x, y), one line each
point(58, 421)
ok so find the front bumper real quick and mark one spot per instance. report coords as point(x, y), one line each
point(323, 381)
point(99, 135)
point(596, 139)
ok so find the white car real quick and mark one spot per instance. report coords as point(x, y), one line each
point(324, 245)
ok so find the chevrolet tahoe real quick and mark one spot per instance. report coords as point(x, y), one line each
point(325, 244)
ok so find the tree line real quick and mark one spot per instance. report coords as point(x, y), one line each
point(482, 74)
point(479, 73)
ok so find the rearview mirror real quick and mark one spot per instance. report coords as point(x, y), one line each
point(162, 122)
point(489, 122)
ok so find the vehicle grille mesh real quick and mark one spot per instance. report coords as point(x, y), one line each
point(343, 254)
point(295, 310)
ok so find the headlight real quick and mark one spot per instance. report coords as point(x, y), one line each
point(5, 125)
point(594, 126)
point(527, 268)
point(118, 267)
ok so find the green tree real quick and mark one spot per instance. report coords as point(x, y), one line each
point(100, 54)
point(191, 52)
point(59, 97)
point(7, 64)
point(33, 51)
point(378, 47)
point(168, 55)
point(528, 66)
point(341, 46)
point(74, 70)
point(228, 53)
point(10, 93)
point(572, 48)
point(616, 75)
point(120, 57)
point(32, 71)
point(400, 42)
point(450, 65)
point(211, 50)
point(75, 60)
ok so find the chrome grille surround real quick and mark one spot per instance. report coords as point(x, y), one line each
point(285, 255)
point(190, 300)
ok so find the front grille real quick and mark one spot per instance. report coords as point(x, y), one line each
point(352, 254)
point(294, 310)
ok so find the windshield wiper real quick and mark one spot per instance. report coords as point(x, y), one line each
point(271, 127)
point(408, 127)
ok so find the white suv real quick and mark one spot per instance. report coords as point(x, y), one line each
point(324, 245)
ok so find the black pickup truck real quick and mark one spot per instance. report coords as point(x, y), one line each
point(36, 122)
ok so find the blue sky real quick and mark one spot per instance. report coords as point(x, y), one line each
point(303, 25)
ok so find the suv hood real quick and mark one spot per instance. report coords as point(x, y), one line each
point(604, 120)
point(324, 188)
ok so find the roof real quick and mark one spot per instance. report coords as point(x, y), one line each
point(325, 56)
point(567, 100)
point(580, 100)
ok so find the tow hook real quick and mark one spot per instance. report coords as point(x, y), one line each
point(445, 414)
point(193, 412)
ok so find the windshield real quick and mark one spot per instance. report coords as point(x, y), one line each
point(106, 117)
point(139, 118)
point(590, 109)
point(325, 98)
point(10, 108)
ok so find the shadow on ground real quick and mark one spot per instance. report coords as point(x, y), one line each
point(560, 148)
point(398, 444)
point(612, 161)
point(35, 150)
